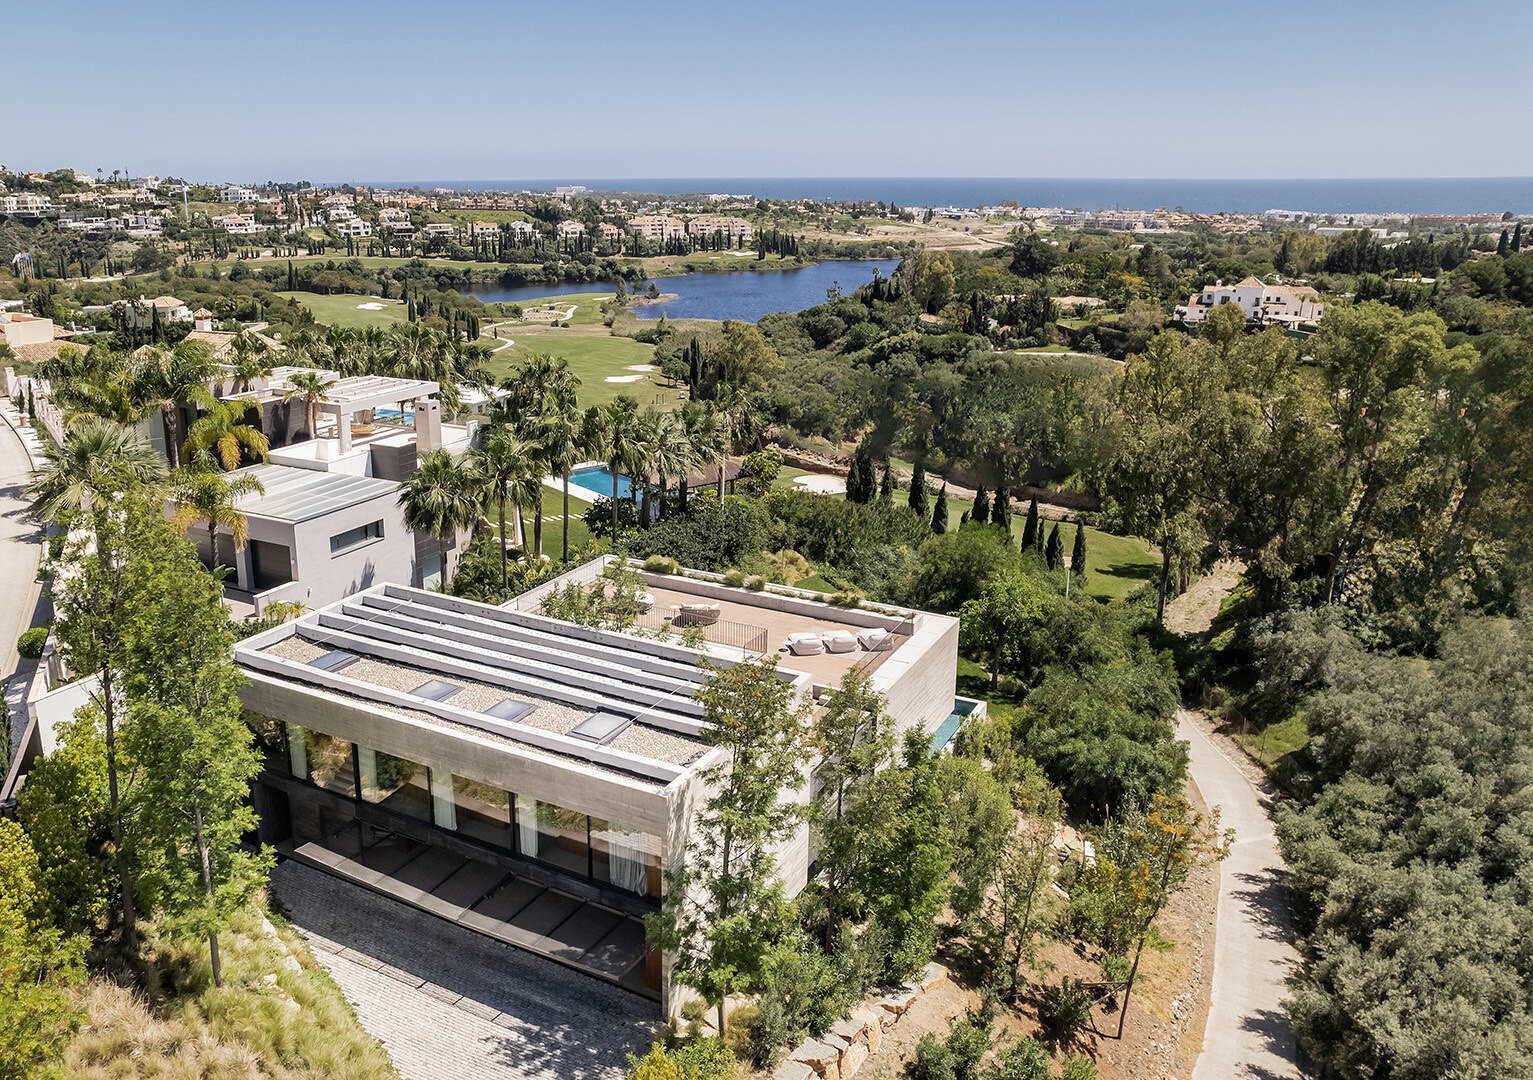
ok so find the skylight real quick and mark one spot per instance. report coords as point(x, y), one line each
point(435, 690)
point(334, 660)
point(509, 709)
point(601, 727)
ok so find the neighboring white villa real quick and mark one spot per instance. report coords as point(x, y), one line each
point(236, 194)
point(1286, 305)
point(571, 228)
point(25, 204)
point(141, 313)
point(353, 227)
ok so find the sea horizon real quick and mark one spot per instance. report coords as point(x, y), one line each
point(1418, 195)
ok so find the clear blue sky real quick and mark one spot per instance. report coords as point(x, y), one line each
point(474, 89)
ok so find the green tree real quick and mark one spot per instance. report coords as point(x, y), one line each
point(506, 467)
point(1054, 551)
point(981, 511)
point(920, 501)
point(64, 810)
point(886, 485)
point(170, 380)
point(939, 511)
point(1030, 526)
point(212, 499)
point(1078, 555)
point(994, 624)
point(312, 388)
point(194, 755)
point(99, 460)
point(562, 442)
point(722, 902)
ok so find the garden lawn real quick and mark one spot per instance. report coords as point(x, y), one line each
point(340, 309)
point(1115, 565)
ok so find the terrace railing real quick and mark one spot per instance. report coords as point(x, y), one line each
point(749, 639)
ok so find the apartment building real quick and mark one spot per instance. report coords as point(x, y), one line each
point(733, 228)
point(25, 204)
point(354, 227)
point(657, 226)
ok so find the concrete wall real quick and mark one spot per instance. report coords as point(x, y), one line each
point(331, 577)
point(564, 782)
point(921, 677)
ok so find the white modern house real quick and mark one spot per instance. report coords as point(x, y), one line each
point(354, 227)
point(235, 194)
point(570, 229)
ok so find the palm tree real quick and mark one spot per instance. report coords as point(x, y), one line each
point(210, 497)
point(706, 437)
point(99, 459)
point(671, 455)
point(622, 444)
point(251, 359)
point(222, 433)
point(168, 380)
point(312, 387)
point(503, 462)
point(442, 496)
point(737, 418)
point(564, 441)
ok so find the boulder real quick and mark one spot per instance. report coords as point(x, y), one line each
point(823, 1058)
point(852, 1059)
point(934, 975)
point(793, 1070)
point(872, 1025)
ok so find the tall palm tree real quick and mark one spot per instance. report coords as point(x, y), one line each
point(313, 387)
point(442, 496)
point(737, 419)
point(99, 459)
point(212, 498)
point(504, 461)
point(670, 454)
point(222, 433)
point(168, 380)
point(706, 437)
point(564, 441)
point(621, 444)
point(252, 359)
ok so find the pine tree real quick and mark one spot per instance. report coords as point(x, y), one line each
point(939, 512)
point(1030, 529)
point(1078, 554)
point(918, 499)
point(1054, 553)
point(886, 488)
point(981, 505)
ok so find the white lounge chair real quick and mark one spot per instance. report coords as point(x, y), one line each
point(838, 641)
point(698, 614)
point(805, 644)
point(876, 639)
point(646, 602)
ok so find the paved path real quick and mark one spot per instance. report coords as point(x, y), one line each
point(1247, 1033)
point(450, 1004)
point(21, 547)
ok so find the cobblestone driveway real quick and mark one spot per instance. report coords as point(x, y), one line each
point(450, 1004)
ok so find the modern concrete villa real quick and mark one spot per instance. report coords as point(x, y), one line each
point(530, 778)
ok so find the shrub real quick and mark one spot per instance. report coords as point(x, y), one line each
point(735, 579)
point(1077, 1067)
point(1065, 1009)
point(662, 564)
point(30, 644)
point(756, 584)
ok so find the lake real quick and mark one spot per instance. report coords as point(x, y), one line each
point(742, 295)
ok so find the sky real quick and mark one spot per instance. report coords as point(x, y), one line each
point(485, 90)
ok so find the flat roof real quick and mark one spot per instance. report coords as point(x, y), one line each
point(488, 662)
point(295, 495)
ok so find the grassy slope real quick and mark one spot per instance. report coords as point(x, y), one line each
point(279, 1009)
point(341, 309)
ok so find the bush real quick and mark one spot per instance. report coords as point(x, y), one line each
point(30, 644)
point(662, 564)
point(756, 584)
point(1065, 1009)
point(735, 579)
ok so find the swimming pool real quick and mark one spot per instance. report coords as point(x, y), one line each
point(393, 416)
point(598, 479)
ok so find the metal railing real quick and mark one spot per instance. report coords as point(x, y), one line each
point(742, 636)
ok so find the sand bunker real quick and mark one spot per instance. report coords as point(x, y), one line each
point(641, 367)
point(369, 307)
point(623, 378)
point(821, 485)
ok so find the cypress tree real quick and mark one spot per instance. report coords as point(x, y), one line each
point(886, 488)
point(918, 500)
point(981, 505)
point(1078, 553)
point(939, 512)
point(1503, 246)
point(963, 519)
point(31, 401)
point(1000, 508)
point(857, 489)
point(1054, 553)
point(1517, 237)
point(1030, 530)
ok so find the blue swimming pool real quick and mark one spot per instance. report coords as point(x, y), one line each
point(393, 416)
point(598, 479)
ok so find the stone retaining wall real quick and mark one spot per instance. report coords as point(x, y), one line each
point(841, 1051)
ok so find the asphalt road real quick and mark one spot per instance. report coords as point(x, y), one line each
point(1247, 1034)
point(21, 541)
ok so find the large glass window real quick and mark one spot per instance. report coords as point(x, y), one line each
point(562, 839)
point(400, 785)
point(629, 860)
point(480, 811)
point(362, 534)
point(321, 759)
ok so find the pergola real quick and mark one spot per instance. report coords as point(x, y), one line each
point(361, 393)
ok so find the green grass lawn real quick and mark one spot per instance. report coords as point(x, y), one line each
point(1275, 742)
point(341, 309)
point(1115, 565)
point(553, 527)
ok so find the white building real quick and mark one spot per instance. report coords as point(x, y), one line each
point(236, 194)
point(571, 228)
point(1288, 305)
point(25, 204)
point(733, 228)
point(439, 228)
point(141, 313)
point(657, 226)
point(353, 227)
point(520, 229)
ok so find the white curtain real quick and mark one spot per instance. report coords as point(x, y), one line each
point(627, 851)
point(527, 826)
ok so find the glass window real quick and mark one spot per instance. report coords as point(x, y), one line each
point(480, 811)
point(323, 760)
point(351, 538)
point(629, 860)
point(392, 782)
point(431, 572)
point(562, 838)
